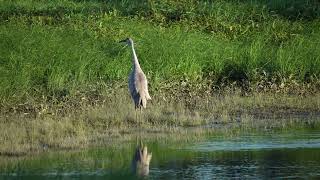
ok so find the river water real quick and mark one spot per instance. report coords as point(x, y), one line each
point(248, 155)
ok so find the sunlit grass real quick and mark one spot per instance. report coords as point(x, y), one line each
point(63, 74)
point(115, 121)
point(57, 52)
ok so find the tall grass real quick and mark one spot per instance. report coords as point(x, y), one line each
point(114, 122)
point(56, 49)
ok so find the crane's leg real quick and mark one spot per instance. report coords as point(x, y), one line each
point(140, 115)
point(135, 111)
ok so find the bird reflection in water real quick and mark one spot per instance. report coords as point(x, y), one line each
point(141, 160)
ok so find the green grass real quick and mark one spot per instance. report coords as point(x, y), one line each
point(60, 59)
point(57, 49)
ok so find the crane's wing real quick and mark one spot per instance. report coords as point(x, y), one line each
point(138, 86)
point(142, 85)
point(134, 90)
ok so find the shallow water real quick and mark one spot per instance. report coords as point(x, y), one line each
point(264, 155)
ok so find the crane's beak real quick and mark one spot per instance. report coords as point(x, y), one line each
point(123, 41)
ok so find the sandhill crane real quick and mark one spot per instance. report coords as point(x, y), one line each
point(138, 84)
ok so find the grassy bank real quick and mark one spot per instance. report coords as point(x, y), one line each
point(63, 73)
point(58, 49)
point(114, 121)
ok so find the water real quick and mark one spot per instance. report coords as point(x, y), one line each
point(264, 155)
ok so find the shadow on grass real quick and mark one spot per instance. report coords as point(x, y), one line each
point(295, 9)
point(173, 10)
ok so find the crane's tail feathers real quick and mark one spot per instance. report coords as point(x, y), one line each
point(144, 102)
point(148, 96)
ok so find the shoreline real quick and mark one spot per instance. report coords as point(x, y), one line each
point(114, 122)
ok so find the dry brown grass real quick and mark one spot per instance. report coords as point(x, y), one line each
point(113, 119)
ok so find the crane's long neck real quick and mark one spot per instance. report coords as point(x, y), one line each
point(135, 61)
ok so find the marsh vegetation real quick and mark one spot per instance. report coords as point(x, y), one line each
point(113, 121)
point(63, 76)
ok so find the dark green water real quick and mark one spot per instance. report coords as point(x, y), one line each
point(264, 155)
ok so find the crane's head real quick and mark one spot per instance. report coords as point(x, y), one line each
point(128, 41)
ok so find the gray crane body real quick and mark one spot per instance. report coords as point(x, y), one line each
point(138, 84)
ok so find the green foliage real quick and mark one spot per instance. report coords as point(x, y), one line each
point(57, 48)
